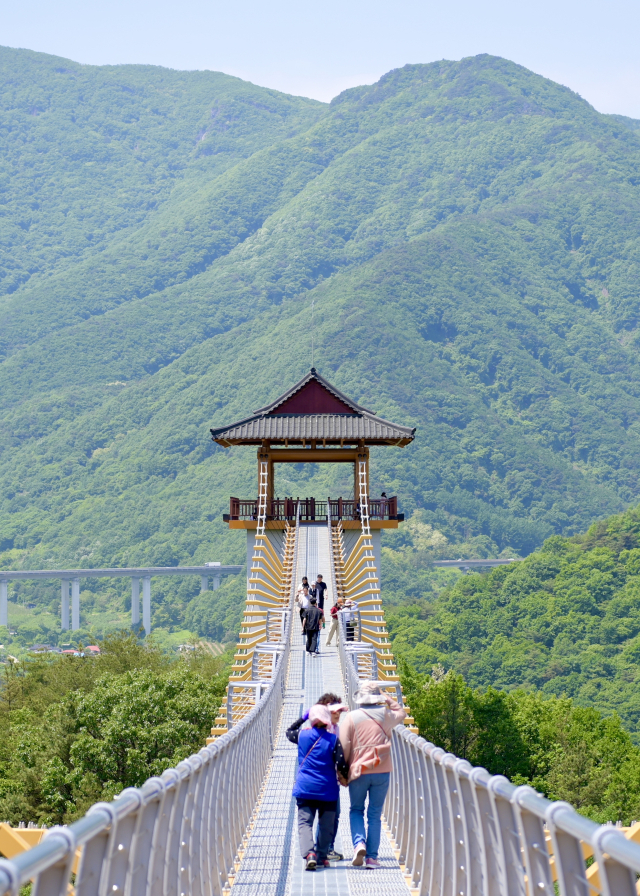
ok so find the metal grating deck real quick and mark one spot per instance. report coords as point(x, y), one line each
point(271, 865)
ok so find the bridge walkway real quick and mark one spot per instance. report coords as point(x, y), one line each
point(271, 864)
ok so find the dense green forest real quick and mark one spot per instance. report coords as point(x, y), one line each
point(564, 751)
point(565, 621)
point(468, 232)
point(75, 730)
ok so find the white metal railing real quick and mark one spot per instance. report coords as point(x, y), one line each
point(358, 659)
point(177, 834)
point(461, 830)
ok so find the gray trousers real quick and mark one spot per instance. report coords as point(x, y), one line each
point(333, 631)
point(306, 816)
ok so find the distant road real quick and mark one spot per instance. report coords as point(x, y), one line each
point(471, 564)
point(139, 571)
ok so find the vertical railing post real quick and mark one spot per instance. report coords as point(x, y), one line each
point(426, 846)
point(135, 601)
point(509, 850)
point(4, 602)
point(146, 604)
point(474, 843)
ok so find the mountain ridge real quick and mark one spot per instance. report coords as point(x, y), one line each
point(468, 233)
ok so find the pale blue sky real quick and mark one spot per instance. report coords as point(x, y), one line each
point(318, 49)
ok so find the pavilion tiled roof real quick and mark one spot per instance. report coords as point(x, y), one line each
point(274, 423)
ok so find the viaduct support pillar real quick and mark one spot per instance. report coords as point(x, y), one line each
point(75, 604)
point(146, 604)
point(65, 605)
point(135, 601)
point(216, 574)
point(4, 599)
point(204, 584)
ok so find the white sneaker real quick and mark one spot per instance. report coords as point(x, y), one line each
point(358, 855)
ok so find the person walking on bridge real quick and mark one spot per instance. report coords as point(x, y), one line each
point(316, 788)
point(304, 584)
point(365, 735)
point(302, 601)
point(335, 706)
point(318, 589)
point(335, 609)
point(311, 622)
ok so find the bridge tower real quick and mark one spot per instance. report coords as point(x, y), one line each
point(312, 422)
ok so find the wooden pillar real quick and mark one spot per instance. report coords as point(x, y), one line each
point(271, 486)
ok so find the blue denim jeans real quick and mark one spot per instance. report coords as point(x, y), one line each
point(375, 786)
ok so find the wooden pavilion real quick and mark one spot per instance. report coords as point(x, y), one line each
point(313, 422)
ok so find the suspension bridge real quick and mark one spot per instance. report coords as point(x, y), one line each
point(223, 821)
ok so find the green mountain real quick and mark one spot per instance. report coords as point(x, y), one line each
point(467, 232)
point(565, 621)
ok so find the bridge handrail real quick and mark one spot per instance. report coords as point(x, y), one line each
point(349, 675)
point(461, 830)
point(177, 833)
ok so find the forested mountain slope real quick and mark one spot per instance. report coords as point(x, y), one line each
point(469, 232)
point(565, 621)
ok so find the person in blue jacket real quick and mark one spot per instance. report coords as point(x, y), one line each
point(316, 788)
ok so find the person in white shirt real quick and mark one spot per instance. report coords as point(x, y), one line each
point(349, 619)
point(302, 602)
point(305, 581)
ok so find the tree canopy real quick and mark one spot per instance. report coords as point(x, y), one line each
point(76, 730)
point(566, 621)
point(466, 230)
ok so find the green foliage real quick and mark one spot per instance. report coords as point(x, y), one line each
point(217, 614)
point(566, 621)
point(564, 751)
point(74, 731)
point(467, 230)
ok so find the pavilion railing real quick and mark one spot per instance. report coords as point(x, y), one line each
point(313, 511)
point(177, 834)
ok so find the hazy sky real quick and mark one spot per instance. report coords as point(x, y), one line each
point(318, 49)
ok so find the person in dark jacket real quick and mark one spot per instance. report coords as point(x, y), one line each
point(335, 706)
point(312, 619)
point(318, 591)
point(316, 787)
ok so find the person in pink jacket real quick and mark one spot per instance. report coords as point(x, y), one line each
point(365, 735)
